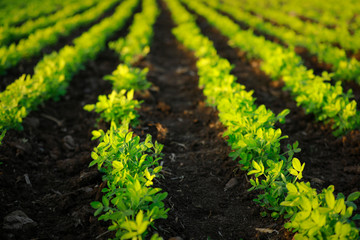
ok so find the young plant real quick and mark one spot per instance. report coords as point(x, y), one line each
point(116, 107)
point(126, 77)
point(54, 72)
point(130, 166)
point(320, 216)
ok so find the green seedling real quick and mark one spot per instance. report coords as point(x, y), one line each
point(130, 202)
point(125, 77)
point(117, 106)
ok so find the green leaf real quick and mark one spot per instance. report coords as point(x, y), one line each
point(2, 135)
point(129, 235)
point(96, 134)
point(339, 205)
point(293, 172)
point(296, 164)
point(117, 165)
point(128, 137)
point(349, 212)
point(148, 141)
point(288, 225)
point(89, 107)
point(256, 166)
point(305, 203)
point(292, 203)
point(291, 187)
point(139, 217)
point(307, 224)
point(275, 215)
point(330, 199)
point(157, 169)
point(96, 204)
point(98, 211)
point(253, 172)
point(94, 155)
point(105, 201)
point(142, 159)
point(295, 145)
point(92, 163)
point(252, 182)
point(141, 223)
point(353, 196)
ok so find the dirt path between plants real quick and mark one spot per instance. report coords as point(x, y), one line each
point(197, 168)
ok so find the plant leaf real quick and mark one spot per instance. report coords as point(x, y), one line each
point(296, 164)
point(353, 196)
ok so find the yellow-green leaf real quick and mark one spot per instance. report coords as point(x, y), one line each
point(330, 199)
point(296, 164)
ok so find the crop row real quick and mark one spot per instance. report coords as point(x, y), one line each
point(11, 34)
point(254, 140)
point(129, 165)
point(54, 71)
point(327, 13)
point(28, 47)
point(344, 68)
point(314, 93)
point(339, 35)
point(15, 12)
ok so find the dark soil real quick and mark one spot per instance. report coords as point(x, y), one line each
point(54, 152)
point(45, 170)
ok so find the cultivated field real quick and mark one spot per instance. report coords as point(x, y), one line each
point(179, 119)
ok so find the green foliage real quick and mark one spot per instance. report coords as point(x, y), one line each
point(125, 77)
point(11, 34)
point(344, 68)
point(314, 93)
point(251, 133)
point(136, 44)
point(54, 71)
point(312, 30)
point(116, 107)
point(31, 46)
point(14, 12)
point(319, 216)
point(130, 166)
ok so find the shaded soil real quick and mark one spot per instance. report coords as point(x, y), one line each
point(53, 151)
point(45, 170)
